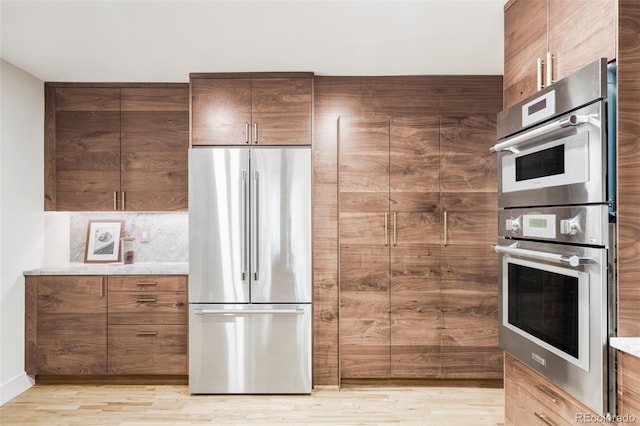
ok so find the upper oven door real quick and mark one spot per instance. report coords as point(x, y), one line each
point(560, 162)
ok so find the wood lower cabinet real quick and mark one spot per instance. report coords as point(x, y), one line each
point(251, 109)
point(628, 386)
point(66, 325)
point(532, 399)
point(106, 326)
point(418, 280)
point(116, 147)
point(575, 33)
point(147, 319)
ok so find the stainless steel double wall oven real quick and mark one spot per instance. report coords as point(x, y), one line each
point(556, 242)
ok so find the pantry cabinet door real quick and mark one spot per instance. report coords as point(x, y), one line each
point(469, 281)
point(363, 164)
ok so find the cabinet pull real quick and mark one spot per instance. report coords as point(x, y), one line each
point(146, 299)
point(102, 287)
point(147, 333)
point(543, 417)
point(142, 284)
point(386, 229)
point(123, 207)
point(395, 233)
point(255, 132)
point(445, 228)
point(115, 200)
point(548, 393)
point(246, 132)
point(549, 66)
point(539, 83)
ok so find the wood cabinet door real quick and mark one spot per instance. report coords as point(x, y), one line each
point(281, 111)
point(71, 325)
point(415, 236)
point(220, 111)
point(155, 143)
point(87, 147)
point(469, 282)
point(525, 40)
point(363, 164)
point(581, 32)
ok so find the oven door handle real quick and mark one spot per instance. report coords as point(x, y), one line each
point(510, 144)
point(572, 260)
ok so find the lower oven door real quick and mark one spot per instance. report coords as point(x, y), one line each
point(553, 314)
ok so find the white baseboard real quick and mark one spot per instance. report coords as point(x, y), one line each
point(14, 387)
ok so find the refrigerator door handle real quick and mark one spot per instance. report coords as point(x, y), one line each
point(256, 241)
point(243, 244)
point(236, 312)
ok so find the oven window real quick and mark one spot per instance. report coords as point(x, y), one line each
point(547, 162)
point(545, 305)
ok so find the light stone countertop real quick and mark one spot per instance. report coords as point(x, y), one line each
point(140, 268)
point(630, 345)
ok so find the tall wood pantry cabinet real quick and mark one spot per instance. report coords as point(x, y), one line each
point(546, 40)
point(116, 147)
point(251, 108)
point(418, 285)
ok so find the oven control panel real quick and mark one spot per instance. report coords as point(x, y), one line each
point(577, 224)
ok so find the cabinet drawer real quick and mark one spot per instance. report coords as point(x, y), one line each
point(147, 308)
point(147, 283)
point(546, 402)
point(147, 349)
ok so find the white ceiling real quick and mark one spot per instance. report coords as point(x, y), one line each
point(136, 41)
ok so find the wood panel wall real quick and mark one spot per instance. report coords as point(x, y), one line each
point(394, 96)
point(629, 168)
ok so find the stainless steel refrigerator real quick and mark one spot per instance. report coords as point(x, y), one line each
point(250, 270)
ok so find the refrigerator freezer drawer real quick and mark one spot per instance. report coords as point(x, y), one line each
point(256, 349)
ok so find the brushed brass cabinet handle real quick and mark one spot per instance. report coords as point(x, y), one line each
point(115, 200)
point(255, 132)
point(445, 228)
point(102, 288)
point(146, 283)
point(147, 333)
point(395, 233)
point(549, 66)
point(539, 82)
point(146, 299)
point(543, 417)
point(123, 206)
point(386, 229)
point(246, 132)
point(548, 393)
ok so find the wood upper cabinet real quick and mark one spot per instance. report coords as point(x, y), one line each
point(155, 143)
point(575, 33)
point(245, 109)
point(82, 148)
point(66, 325)
point(418, 279)
point(116, 148)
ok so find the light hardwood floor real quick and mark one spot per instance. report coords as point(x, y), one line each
point(172, 404)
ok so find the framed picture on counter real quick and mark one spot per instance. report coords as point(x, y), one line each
point(103, 241)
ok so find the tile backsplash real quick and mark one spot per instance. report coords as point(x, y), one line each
point(168, 235)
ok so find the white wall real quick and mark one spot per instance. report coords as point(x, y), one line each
point(29, 237)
